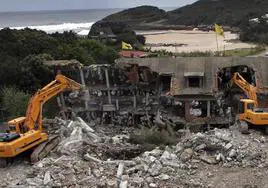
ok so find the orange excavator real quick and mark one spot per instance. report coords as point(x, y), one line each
point(26, 133)
point(248, 111)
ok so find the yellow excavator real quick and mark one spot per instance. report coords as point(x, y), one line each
point(248, 111)
point(25, 133)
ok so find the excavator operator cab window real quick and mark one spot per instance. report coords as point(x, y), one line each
point(250, 106)
point(241, 109)
point(12, 128)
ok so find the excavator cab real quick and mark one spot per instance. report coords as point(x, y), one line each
point(16, 125)
point(15, 128)
point(244, 106)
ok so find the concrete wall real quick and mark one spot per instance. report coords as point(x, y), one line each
point(208, 65)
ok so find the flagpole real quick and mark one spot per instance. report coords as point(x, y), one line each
point(223, 48)
point(217, 42)
point(219, 31)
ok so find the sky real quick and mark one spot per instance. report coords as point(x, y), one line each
point(35, 5)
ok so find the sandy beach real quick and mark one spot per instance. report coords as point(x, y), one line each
point(189, 41)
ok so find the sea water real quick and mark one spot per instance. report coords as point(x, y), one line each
point(79, 21)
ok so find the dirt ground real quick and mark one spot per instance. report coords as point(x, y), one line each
point(193, 41)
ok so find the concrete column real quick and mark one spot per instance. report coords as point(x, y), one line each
point(200, 82)
point(62, 101)
point(147, 99)
point(61, 108)
point(134, 102)
point(208, 108)
point(108, 86)
point(117, 104)
point(86, 92)
point(187, 110)
point(208, 114)
point(187, 81)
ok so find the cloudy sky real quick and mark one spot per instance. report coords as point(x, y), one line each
point(33, 5)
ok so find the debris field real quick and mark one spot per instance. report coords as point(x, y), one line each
point(98, 157)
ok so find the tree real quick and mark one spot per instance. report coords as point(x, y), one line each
point(99, 52)
point(65, 37)
point(141, 39)
point(10, 70)
point(21, 43)
point(254, 31)
point(34, 74)
point(14, 102)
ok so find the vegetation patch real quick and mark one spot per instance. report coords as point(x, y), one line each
point(14, 101)
point(244, 51)
point(152, 137)
point(196, 54)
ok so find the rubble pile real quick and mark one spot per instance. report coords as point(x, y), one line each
point(85, 159)
point(227, 147)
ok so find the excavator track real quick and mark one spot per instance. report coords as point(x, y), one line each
point(43, 149)
point(243, 127)
point(3, 162)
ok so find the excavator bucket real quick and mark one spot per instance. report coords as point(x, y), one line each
point(42, 150)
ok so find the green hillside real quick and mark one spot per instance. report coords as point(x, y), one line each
point(226, 12)
point(137, 15)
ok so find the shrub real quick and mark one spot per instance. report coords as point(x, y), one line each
point(14, 102)
point(149, 137)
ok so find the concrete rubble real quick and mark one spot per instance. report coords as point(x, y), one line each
point(87, 158)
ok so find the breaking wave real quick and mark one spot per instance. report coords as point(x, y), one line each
point(79, 28)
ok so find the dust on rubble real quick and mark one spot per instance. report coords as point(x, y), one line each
point(89, 157)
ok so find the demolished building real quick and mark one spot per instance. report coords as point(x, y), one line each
point(180, 90)
point(199, 84)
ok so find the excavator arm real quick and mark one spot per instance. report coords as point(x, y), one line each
point(250, 90)
point(34, 110)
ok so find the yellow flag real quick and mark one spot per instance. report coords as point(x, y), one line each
point(219, 30)
point(126, 46)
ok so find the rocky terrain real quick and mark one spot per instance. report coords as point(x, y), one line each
point(101, 156)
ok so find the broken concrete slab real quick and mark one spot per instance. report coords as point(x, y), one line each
point(208, 159)
point(186, 154)
point(47, 178)
point(85, 125)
